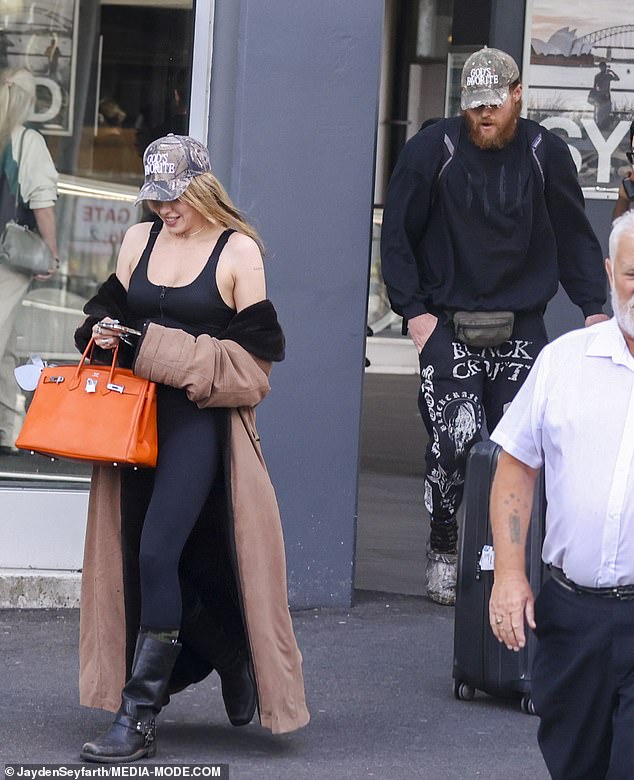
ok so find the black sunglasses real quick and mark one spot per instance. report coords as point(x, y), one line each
point(630, 157)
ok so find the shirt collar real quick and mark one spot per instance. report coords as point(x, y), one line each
point(610, 342)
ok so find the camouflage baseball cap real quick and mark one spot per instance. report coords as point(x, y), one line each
point(486, 77)
point(170, 164)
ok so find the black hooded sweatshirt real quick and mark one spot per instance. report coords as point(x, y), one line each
point(492, 232)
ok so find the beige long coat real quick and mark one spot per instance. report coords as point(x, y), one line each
point(221, 374)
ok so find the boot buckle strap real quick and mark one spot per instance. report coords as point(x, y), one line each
point(145, 727)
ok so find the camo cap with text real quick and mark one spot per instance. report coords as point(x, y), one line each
point(486, 77)
point(170, 163)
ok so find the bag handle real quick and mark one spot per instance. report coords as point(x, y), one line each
point(151, 391)
point(17, 188)
point(87, 355)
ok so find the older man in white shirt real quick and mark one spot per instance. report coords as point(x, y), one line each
point(575, 417)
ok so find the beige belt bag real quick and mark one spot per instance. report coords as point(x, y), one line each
point(483, 328)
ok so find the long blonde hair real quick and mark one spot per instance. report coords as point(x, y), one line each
point(17, 97)
point(210, 199)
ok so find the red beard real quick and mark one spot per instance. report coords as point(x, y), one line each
point(504, 133)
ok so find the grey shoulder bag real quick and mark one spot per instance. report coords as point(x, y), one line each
point(21, 248)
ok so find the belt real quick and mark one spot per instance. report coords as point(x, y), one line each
point(623, 592)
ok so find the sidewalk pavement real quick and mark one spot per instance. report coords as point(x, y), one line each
point(378, 674)
point(378, 681)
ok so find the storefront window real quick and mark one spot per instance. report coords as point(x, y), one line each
point(109, 79)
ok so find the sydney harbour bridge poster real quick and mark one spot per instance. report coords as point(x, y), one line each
point(579, 81)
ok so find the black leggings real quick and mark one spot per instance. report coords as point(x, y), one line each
point(188, 462)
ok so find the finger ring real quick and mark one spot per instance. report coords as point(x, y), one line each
point(97, 328)
point(499, 620)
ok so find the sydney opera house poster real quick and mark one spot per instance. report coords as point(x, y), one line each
point(579, 81)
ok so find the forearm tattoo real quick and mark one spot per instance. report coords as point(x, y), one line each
point(514, 517)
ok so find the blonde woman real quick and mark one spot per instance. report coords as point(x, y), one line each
point(204, 578)
point(26, 171)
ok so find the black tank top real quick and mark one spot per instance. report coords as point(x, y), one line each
point(196, 308)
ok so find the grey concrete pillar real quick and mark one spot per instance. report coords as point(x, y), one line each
point(292, 135)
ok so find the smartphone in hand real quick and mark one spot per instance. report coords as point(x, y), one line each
point(128, 335)
point(117, 327)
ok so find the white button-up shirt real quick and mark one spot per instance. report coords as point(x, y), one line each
point(575, 415)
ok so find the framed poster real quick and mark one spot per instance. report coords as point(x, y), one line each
point(42, 36)
point(578, 79)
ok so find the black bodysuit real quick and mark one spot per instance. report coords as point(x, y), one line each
point(196, 308)
point(189, 441)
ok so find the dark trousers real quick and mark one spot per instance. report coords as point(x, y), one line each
point(461, 387)
point(583, 684)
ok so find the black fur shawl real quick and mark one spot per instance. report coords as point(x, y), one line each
point(255, 328)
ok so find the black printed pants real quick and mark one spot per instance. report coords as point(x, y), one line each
point(462, 388)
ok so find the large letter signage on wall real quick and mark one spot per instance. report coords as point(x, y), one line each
point(42, 37)
point(579, 82)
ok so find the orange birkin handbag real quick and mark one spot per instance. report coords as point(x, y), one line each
point(88, 412)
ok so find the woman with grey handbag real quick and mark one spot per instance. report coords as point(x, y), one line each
point(28, 191)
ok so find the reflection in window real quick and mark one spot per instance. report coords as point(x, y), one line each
point(109, 79)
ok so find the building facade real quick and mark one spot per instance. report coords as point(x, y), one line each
point(305, 107)
point(285, 94)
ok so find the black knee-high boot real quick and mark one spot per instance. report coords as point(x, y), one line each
point(229, 657)
point(132, 733)
point(238, 689)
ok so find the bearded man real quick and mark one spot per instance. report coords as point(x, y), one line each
point(483, 218)
point(582, 681)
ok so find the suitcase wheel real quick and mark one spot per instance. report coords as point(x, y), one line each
point(527, 706)
point(463, 691)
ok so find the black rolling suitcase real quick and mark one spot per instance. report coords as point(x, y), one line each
point(480, 662)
